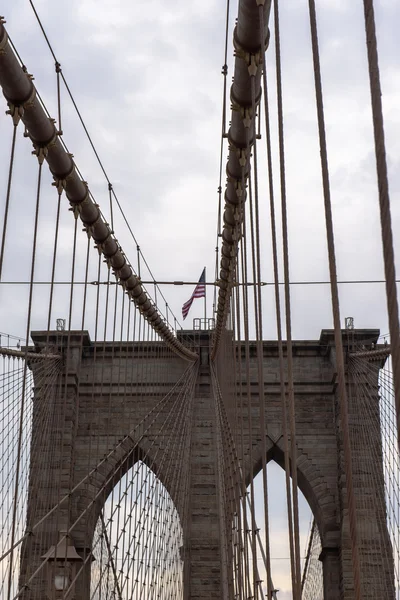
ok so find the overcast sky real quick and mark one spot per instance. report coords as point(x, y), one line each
point(146, 76)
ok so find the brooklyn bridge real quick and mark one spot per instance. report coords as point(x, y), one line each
point(199, 328)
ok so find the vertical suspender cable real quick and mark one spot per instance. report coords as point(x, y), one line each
point(335, 305)
point(292, 417)
point(277, 302)
point(259, 335)
point(384, 200)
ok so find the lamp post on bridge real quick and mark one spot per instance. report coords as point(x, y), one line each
point(62, 565)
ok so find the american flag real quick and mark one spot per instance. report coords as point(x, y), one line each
point(199, 292)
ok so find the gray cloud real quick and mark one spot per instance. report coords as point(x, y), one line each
point(146, 77)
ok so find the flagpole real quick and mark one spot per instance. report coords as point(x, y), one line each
point(205, 300)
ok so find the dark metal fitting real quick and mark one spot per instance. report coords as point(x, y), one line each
point(238, 214)
point(242, 156)
point(247, 117)
point(239, 189)
point(75, 209)
point(41, 153)
point(57, 67)
point(254, 64)
point(224, 69)
point(250, 56)
point(60, 185)
point(110, 187)
point(16, 112)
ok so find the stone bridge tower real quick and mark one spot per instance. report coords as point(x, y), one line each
point(319, 456)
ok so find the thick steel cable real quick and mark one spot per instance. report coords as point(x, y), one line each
point(384, 201)
point(277, 304)
point(342, 392)
point(289, 358)
point(243, 256)
point(53, 268)
point(223, 133)
point(259, 329)
point(243, 575)
point(59, 72)
point(21, 93)
point(246, 46)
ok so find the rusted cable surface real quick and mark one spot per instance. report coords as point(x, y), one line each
point(289, 358)
point(384, 200)
point(342, 391)
point(276, 284)
point(20, 93)
point(247, 65)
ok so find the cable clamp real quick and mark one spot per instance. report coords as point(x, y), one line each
point(239, 189)
point(254, 64)
point(253, 59)
point(76, 207)
point(247, 117)
point(60, 185)
point(242, 156)
point(42, 150)
point(238, 214)
point(16, 112)
point(41, 153)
